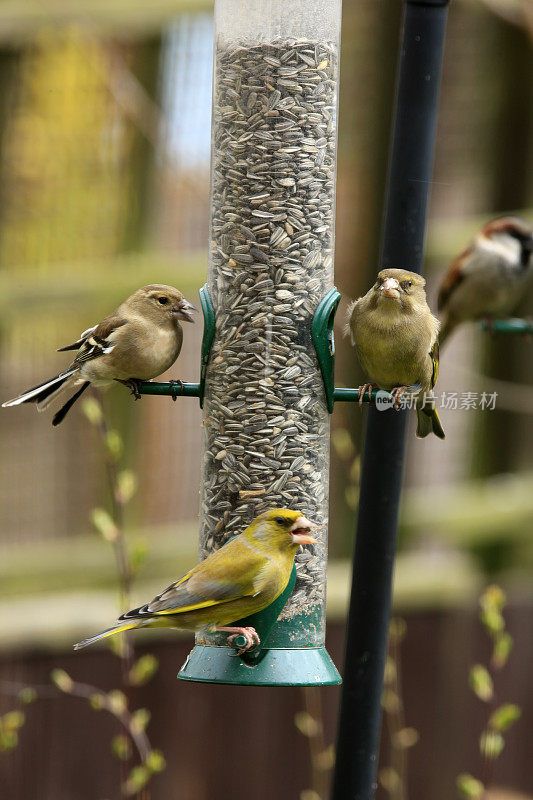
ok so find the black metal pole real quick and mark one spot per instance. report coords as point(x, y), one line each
point(410, 170)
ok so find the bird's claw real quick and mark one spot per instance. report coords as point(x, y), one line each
point(176, 382)
point(396, 394)
point(133, 386)
point(250, 634)
point(362, 389)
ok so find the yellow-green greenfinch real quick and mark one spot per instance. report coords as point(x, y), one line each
point(138, 341)
point(489, 278)
point(396, 338)
point(244, 576)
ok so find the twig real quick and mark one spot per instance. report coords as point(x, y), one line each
point(395, 723)
point(120, 550)
point(87, 692)
point(317, 745)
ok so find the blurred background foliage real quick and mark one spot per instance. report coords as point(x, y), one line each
point(104, 186)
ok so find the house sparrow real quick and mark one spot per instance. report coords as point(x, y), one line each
point(138, 341)
point(241, 578)
point(395, 335)
point(489, 278)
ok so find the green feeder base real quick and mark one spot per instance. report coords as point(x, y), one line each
point(305, 666)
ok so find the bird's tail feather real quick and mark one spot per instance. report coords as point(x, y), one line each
point(52, 392)
point(428, 421)
point(63, 411)
point(43, 393)
point(120, 627)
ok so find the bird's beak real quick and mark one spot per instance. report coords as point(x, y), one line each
point(300, 531)
point(183, 309)
point(390, 288)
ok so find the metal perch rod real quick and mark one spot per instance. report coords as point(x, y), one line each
point(180, 389)
point(511, 325)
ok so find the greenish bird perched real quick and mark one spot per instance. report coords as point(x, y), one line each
point(241, 578)
point(396, 338)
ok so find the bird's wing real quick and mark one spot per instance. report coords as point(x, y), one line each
point(79, 342)
point(222, 577)
point(99, 340)
point(452, 278)
point(348, 327)
point(434, 355)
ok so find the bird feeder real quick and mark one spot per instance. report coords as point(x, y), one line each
point(270, 283)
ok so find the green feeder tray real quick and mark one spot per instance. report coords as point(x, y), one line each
point(285, 667)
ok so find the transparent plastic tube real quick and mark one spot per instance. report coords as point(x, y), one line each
point(266, 425)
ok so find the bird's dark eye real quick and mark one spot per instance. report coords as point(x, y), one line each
point(280, 521)
point(162, 300)
point(409, 283)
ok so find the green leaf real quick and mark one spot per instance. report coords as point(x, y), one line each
point(492, 620)
point(469, 787)
point(9, 726)
point(8, 739)
point(503, 645)
point(491, 744)
point(397, 630)
point(118, 645)
point(481, 682)
point(138, 553)
point(390, 701)
point(343, 444)
point(121, 747)
point(126, 486)
point(155, 761)
point(326, 759)
point(117, 701)
point(351, 496)
point(27, 695)
point(13, 720)
point(389, 780)
point(143, 670)
point(62, 680)
point(139, 720)
point(97, 701)
point(137, 780)
point(493, 598)
point(306, 724)
point(405, 738)
point(104, 524)
point(113, 444)
point(309, 794)
point(391, 672)
point(505, 716)
point(92, 410)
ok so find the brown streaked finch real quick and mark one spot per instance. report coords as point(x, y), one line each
point(138, 341)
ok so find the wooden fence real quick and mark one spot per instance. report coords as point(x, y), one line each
point(222, 742)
